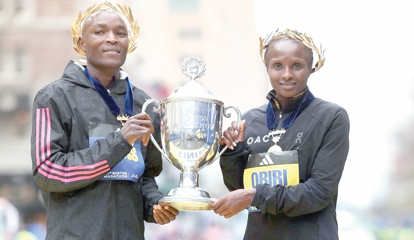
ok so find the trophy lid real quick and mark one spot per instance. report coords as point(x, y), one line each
point(193, 67)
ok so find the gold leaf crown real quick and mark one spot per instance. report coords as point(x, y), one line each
point(133, 32)
point(293, 34)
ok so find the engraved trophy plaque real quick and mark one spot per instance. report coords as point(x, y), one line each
point(191, 121)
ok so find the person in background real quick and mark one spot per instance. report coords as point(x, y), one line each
point(287, 157)
point(9, 219)
point(91, 153)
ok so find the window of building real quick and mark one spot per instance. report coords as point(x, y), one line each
point(18, 6)
point(14, 63)
point(17, 9)
point(190, 34)
point(1, 58)
point(18, 60)
point(184, 5)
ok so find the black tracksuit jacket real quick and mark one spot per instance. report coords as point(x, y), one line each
point(308, 210)
point(79, 206)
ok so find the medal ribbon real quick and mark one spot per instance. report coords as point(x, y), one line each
point(271, 119)
point(129, 97)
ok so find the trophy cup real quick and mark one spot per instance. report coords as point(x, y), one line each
point(191, 122)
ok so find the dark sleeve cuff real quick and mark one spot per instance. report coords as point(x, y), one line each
point(123, 140)
point(148, 215)
point(117, 149)
point(238, 149)
point(259, 201)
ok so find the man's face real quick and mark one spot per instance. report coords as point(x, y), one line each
point(288, 67)
point(105, 41)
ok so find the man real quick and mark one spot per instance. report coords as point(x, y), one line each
point(92, 159)
point(289, 154)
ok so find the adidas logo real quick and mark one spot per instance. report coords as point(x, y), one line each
point(266, 161)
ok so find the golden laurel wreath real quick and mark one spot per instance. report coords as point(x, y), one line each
point(133, 33)
point(293, 34)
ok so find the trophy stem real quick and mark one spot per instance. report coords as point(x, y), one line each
point(188, 196)
point(188, 179)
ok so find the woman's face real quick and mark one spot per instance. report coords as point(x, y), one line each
point(288, 67)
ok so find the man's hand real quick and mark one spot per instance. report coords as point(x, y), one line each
point(234, 202)
point(232, 135)
point(138, 126)
point(164, 215)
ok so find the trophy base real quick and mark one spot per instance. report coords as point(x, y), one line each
point(188, 199)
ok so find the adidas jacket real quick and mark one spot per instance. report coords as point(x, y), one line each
point(66, 170)
point(308, 210)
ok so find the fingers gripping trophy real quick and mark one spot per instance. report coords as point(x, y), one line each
point(190, 133)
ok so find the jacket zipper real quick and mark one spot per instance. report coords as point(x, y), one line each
point(279, 123)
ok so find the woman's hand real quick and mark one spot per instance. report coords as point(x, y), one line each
point(234, 202)
point(232, 135)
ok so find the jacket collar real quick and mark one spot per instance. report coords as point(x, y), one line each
point(292, 103)
point(74, 73)
point(295, 105)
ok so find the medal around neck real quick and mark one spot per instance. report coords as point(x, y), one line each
point(191, 122)
point(122, 119)
point(276, 135)
point(275, 148)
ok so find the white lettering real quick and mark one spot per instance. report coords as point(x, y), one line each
point(299, 138)
point(258, 139)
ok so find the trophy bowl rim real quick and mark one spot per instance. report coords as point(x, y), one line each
point(198, 99)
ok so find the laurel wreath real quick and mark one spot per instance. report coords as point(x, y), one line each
point(293, 34)
point(133, 32)
point(184, 67)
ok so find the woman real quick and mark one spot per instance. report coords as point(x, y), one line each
point(313, 131)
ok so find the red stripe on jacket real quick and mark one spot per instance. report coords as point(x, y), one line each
point(50, 169)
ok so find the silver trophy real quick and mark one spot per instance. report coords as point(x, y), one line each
point(191, 122)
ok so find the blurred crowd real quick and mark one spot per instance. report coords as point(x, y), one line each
point(23, 217)
point(12, 227)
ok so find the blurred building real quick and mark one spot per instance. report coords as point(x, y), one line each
point(36, 45)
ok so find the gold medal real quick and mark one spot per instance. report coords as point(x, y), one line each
point(122, 119)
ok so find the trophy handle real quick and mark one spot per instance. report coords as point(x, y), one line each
point(156, 109)
point(227, 115)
